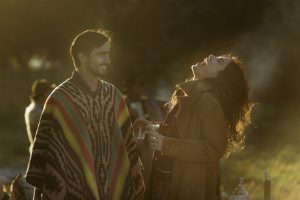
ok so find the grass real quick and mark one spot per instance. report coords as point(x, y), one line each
point(276, 151)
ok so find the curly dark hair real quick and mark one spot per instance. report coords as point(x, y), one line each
point(230, 87)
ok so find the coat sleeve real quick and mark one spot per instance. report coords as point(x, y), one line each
point(212, 146)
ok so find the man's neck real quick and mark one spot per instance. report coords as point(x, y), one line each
point(90, 79)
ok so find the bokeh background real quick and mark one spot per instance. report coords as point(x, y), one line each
point(158, 41)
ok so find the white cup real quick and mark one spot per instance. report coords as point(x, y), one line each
point(152, 127)
point(140, 135)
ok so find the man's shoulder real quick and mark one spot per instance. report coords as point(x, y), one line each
point(60, 90)
point(67, 83)
point(109, 87)
point(107, 84)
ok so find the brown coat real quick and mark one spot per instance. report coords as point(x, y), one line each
point(200, 145)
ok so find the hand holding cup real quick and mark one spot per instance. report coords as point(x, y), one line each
point(139, 127)
point(154, 139)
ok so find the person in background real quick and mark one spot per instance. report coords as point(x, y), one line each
point(210, 112)
point(3, 194)
point(20, 189)
point(40, 90)
point(84, 146)
point(142, 106)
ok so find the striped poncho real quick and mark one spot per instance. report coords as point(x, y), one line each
point(84, 147)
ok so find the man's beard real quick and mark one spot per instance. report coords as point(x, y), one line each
point(96, 72)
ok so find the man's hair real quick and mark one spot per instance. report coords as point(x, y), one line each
point(86, 41)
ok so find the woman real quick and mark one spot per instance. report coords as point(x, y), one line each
point(207, 120)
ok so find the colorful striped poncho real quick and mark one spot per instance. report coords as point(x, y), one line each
point(84, 147)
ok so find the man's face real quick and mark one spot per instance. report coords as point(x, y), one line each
point(98, 60)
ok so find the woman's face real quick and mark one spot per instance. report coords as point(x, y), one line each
point(210, 66)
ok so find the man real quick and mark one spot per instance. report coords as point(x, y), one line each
point(40, 91)
point(84, 147)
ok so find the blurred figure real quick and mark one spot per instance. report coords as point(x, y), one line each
point(20, 189)
point(40, 90)
point(3, 194)
point(209, 114)
point(141, 106)
point(84, 146)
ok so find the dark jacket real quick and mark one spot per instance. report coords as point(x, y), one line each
point(200, 145)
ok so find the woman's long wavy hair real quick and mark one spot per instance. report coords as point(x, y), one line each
point(230, 87)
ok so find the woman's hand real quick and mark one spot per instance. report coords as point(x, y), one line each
point(155, 140)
